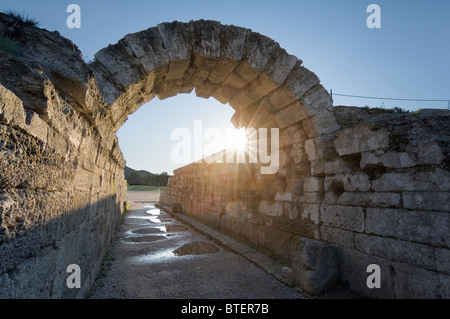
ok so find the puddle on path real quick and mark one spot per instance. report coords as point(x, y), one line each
point(160, 227)
point(153, 211)
point(196, 248)
point(152, 230)
point(136, 221)
point(144, 239)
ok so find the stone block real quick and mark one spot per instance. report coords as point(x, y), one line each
point(333, 181)
point(417, 283)
point(346, 217)
point(360, 139)
point(291, 135)
point(283, 196)
point(314, 266)
point(438, 180)
point(316, 100)
point(389, 159)
point(280, 65)
point(321, 123)
point(299, 81)
point(320, 147)
point(378, 199)
point(443, 260)
point(313, 184)
point(356, 182)
point(426, 153)
point(398, 250)
point(120, 61)
point(232, 41)
point(337, 166)
point(310, 197)
point(257, 50)
point(234, 82)
point(221, 71)
point(310, 212)
point(206, 43)
point(36, 126)
point(426, 227)
point(434, 201)
point(291, 114)
point(271, 208)
point(177, 39)
point(318, 167)
point(11, 109)
point(276, 241)
point(148, 46)
point(353, 272)
point(297, 153)
point(337, 236)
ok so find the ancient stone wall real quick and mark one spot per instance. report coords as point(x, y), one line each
point(353, 187)
point(61, 171)
point(377, 192)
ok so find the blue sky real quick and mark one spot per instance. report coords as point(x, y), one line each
point(408, 57)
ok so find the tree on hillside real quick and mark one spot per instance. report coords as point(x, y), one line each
point(135, 179)
point(138, 178)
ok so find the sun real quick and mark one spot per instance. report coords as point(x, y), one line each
point(239, 139)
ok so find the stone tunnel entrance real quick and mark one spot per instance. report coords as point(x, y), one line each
point(351, 187)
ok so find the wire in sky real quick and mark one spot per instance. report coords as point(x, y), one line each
point(389, 98)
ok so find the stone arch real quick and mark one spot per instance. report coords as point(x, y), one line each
point(266, 86)
point(263, 83)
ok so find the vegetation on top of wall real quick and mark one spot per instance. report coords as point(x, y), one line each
point(381, 110)
point(22, 18)
point(399, 110)
point(9, 46)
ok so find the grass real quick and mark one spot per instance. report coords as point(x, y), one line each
point(22, 18)
point(106, 265)
point(9, 46)
point(144, 188)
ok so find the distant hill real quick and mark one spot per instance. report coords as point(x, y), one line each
point(129, 170)
point(143, 177)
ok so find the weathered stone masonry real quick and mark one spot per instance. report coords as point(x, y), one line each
point(354, 188)
point(61, 172)
point(377, 191)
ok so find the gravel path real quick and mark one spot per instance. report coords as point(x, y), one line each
point(156, 256)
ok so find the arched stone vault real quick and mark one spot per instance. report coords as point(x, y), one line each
point(265, 85)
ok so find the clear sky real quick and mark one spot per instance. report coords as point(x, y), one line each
point(408, 57)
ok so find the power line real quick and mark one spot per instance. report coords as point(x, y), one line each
point(388, 98)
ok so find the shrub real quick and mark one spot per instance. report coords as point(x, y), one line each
point(9, 46)
point(22, 18)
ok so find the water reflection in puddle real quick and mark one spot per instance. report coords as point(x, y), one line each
point(189, 250)
point(154, 257)
point(144, 239)
point(151, 230)
point(153, 211)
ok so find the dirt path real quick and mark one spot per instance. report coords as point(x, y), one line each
point(156, 255)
